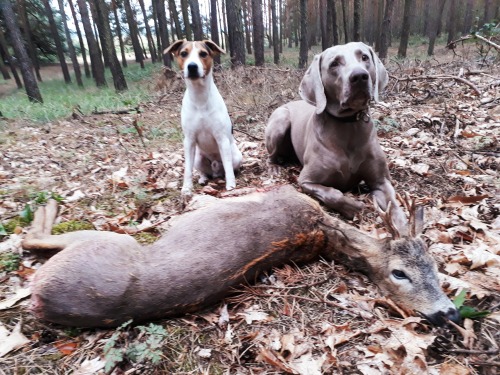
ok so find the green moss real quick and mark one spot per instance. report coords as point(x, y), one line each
point(9, 261)
point(146, 237)
point(11, 224)
point(71, 226)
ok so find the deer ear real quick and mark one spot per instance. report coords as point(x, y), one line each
point(212, 46)
point(311, 88)
point(174, 47)
point(381, 76)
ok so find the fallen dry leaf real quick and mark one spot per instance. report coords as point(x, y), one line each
point(11, 341)
point(12, 300)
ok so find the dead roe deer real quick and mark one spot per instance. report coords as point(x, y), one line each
point(102, 279)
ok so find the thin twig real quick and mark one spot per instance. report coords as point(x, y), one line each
point(460, 79)
point(328, 278)
point(472, 351)
point(249, 135)
point(494, 45)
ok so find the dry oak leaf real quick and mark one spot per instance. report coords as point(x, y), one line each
point(10, 341)
point(453, 368)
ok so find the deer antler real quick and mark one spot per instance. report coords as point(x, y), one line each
point(386, 217)
point(415, 213)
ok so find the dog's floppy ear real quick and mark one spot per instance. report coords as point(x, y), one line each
point(311, 87)
point(381, 76)
point(214, 47)
point(174, 47)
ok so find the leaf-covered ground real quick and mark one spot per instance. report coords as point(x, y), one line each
point(122, 172)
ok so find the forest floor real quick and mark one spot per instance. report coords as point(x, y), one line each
point(123, 172)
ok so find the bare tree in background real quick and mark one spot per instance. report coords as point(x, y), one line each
point(258, 32)
point(28, 38)
point(134, 33)
point(214, 28)
point(80, 39)
point(22, 56)
point(163, 30)
point(4, 70)
point(276, 46)
point(386, 29)
point(434, 25)
point(246, 20)
point(4, 52)
point(357, 21)
point(175, 16)
point(330, 4)
point(151, 43)
point(114, 6)
point(346, 24)
point(452, 22)
point(57, 41)
point(185, 17)
point(109, 46)
point(467, 25)
point(235, 31)
point(71, 48)
point(95, 56)
point(195, 15)
point(405, 30)
point(303, 35)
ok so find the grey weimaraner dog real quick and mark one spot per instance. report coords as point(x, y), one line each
point(330, 131)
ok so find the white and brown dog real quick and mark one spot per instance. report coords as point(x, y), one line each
point(209, 145)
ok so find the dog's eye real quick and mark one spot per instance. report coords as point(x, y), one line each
point(203, 54)
point(183, 53)
point(334, 64)
point(400, 275)
point(365, 58)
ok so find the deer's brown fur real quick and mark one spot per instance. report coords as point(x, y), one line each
point(105, 279)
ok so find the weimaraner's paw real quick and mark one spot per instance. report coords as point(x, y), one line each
point(349, 207)
point(274, 169)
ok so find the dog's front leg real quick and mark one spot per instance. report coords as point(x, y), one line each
point(332, 198)
point(383, 194)
point(189, 152)
point(227, 161)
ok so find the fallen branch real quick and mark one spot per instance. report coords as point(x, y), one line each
point(459, 79)
point(118, 112)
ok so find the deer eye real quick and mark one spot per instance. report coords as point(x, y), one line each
point(183, 53)
point(400, 275)
point(203, 54)
point(365, 57)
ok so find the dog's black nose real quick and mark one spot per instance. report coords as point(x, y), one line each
point(358, 76)
point(192, 69)
point(453, 315)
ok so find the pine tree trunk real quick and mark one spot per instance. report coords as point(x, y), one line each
point(80, 39)
point(235, 31)
point(303, 35)
point(25, 26)
point(258, 32)
point(214, 28)
point(435, 22)
point(4, 49)
point(151, 44)
point(246, 20)
point(185, 17)
point(357, 21)
point(334, 22)
point(323, 16)
point(163, 30)
point(22, 56)
point(224, 22)
point(386, 29)
point(95, 56)
point(108, 47)
point(488, 11)
point(71, 48)
point(452, 22)
point(346, 24)
point(380, 21)
point(118, 31)
point(98, 36)
point(134, 33)
point(276, 46)
point(195, 15)
point(175, 16)
point(405, 29)
point(57, 40)
point(467, 26)
point(157, 33)
point(4, 70)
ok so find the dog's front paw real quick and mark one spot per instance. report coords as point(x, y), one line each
point(230, 186)
point(274, 170)
point(203, 180)
point(187, 191)
point(350, 207)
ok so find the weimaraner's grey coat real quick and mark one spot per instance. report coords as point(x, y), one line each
point(330, 131)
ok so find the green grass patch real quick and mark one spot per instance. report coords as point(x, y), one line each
point(71, 226)
point(59, 99)
point(9, 261)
